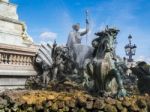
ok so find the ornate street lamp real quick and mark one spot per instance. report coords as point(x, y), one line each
point(130, 49)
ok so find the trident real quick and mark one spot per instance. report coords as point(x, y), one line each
point(87, 22)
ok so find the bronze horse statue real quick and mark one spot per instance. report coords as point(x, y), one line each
point(106, 70)
point(142, 71)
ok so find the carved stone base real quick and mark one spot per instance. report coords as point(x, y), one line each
point(16, 65)
point(12, 82)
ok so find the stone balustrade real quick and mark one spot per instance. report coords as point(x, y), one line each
point(10, 55)
point(16, 65)
point(15, 59)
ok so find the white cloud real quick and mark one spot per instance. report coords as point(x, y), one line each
point(46, 42)
point(48, 36)
point(140, 58)
point(143, 58)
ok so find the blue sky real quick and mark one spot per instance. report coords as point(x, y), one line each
point(52, 19)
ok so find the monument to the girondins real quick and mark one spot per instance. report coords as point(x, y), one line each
point(16, 48)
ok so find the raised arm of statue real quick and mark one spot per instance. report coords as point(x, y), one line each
point(86, 31)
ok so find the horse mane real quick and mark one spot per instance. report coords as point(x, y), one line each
point(102, 46)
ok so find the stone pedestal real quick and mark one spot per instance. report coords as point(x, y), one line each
point(12, 31)
point(16, 65)
point(17, 51)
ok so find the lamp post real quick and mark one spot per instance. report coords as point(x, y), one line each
point(130, 49)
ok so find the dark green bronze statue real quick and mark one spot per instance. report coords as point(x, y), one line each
point(105, 67)
point(100, 69)
point(142, 71)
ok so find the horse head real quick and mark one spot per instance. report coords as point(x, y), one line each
point(104, 43)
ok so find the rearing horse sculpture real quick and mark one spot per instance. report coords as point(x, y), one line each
point(105, 65)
